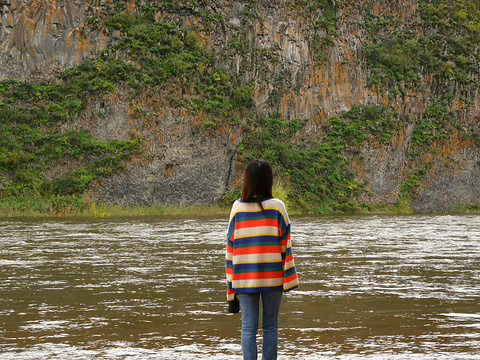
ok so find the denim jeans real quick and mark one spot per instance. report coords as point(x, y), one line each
point(250, 308)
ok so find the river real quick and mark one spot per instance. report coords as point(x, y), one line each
point(371, 287)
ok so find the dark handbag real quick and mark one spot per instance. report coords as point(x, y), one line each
point(234, 305)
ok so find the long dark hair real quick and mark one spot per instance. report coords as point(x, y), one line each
point(257, 181)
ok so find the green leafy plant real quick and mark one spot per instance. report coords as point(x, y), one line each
point(316, 172)
point(35, 130)
point(446, 48)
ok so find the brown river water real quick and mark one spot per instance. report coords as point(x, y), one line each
point(372, 287)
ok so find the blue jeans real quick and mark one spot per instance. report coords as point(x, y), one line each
point(250, 308)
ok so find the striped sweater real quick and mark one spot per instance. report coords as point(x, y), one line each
point(258, 253)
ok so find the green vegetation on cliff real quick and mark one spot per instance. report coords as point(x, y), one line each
point(316, 172)
point(37, 120)
point(445, 44)
point(48, 161)
point(165, 53)
point(442, 44)
point(36, 132)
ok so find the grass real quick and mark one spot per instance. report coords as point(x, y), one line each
point(63, 206)
point(156, 210)
point(30, 205)
point(48, 207)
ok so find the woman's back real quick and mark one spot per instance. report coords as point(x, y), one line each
point(258, 260)
point(259, 256)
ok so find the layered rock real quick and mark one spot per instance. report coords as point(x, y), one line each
point(43, 36)
point(268, 44)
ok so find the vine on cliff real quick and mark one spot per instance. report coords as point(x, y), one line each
point(400, 52)
point(152, 54)
point(166, 53)
point(436, 51)
point(37, 135)
point(323, 18)
point(34, 135)
point(316, 172)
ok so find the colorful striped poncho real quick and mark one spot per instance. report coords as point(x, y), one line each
point(258, 253)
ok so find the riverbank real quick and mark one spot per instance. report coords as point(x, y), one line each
point(73, 207)
point(32, 205)
point(69, 206)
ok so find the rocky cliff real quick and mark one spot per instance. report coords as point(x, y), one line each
point(381, 94)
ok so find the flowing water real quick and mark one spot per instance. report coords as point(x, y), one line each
point(372, 287)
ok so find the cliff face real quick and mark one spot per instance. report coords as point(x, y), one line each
point(42, 37)
point(308, 60)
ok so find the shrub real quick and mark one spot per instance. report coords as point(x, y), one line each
point(243, 96)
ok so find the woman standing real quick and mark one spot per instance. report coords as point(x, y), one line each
point(259, 261)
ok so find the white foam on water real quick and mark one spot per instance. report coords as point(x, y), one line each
point(371, 288)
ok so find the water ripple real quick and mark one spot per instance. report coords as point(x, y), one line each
point(377, 287)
